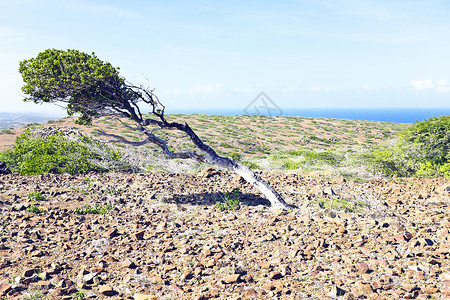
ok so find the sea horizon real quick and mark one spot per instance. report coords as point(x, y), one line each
point(394, 115)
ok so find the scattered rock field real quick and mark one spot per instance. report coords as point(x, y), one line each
point(161, 236)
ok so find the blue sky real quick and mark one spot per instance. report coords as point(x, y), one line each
point(222, 54)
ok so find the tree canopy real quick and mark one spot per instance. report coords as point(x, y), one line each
point(87, 85)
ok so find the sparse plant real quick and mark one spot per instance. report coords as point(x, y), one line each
point(34, 209)
point(6, 131)
point(230, 201)
point(79, 295)
point(93, 209)
point(36, 196)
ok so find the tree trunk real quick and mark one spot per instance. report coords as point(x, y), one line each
point(276, 201)
point(209, 156)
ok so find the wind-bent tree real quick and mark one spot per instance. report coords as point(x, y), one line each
point(90, 87)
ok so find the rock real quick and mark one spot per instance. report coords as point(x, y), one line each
point(362, 268)
point(5, 288)
point(364, 288)
point(106, 290)
point(128, 264)
point(275, 275)
point(268, 286)
point(336, 292)
point(144, 297)
point(409, 287)
point(112, 232)
point(28, 272)
point(233, 278)
point(41, 285)
point(329, 191)
point(139, 235)
point(20, 206)
point(89, 278)
point(248, 293)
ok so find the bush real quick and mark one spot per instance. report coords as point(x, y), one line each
point(35, 153)
point(422, 150)
point(426, 146)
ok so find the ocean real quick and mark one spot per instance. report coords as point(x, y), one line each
point(395, 115)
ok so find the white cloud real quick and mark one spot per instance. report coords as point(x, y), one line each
point(315, 89)
point(422, 84)
point(367, 87)
point(443, 86)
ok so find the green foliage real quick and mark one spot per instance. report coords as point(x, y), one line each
point(92, 209)
point(34, 209)
point(235, 156)
point(422, 150)
point(88, 85)
point(36, 196)
point(341, 204)
point(6, 131)
point(230, 201)
point(426, 145)
point(79, 295)
point(54, 153)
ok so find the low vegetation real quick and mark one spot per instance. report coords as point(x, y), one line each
point(93, 209)
point(364, 148)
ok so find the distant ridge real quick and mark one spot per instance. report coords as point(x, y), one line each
point(15, 120)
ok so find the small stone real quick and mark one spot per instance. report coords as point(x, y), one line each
point(139, 235)
point(197, 272)
point(144, 297)
point(265, 265)
point(4, 289)
point(365, 288)
point(268, 286)
point(248, 293)
point(169, 267)
point(233, 278)
point(409, 287)
point(156, 279)
point(106, 290)
point(329, 191)
point(128, 264)
point(186, 276)
point(112, 232)
point(408, 235)
point(89, 278)
point(41, 285)
point(336, 292)
point(275, 275)
point(362, 268)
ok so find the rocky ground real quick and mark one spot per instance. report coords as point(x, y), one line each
point(161, 236)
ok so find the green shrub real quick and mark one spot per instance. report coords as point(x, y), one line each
point(426, 146)
point(54, 153)
point(230, 201)
point(422, 150)
point(6, 131)
point(92, 209)
point(36, 196)
point(34, 209)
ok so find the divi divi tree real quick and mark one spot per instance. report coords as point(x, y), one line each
point(90, 88)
